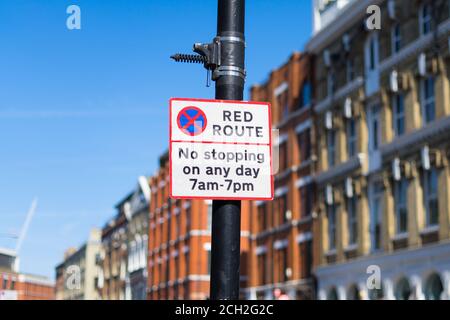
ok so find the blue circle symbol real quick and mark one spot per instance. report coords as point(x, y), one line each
point(192, 121)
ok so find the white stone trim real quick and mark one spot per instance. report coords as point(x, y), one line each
point(198, 277)
point(280, 244)
point(304, 237)
point(303, 181)
point(199, 233)
point(281, 88)
point(260, 250)
point(281, 191)
point(282, 138)
point(303, 126)
point(186, 205)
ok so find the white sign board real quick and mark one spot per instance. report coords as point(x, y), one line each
point(220, 150)
point(8, 295)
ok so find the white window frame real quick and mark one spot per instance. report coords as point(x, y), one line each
point(425, 102)
point(398, 116)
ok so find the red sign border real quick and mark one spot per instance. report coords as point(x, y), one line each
point(225, 102)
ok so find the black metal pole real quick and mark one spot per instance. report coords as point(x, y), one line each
point(226, 215)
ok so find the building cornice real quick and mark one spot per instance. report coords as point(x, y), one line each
point(341, 170)
point(346, 19)
point(436, 131)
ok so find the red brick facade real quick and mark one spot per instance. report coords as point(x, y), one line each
point(27, 287)
point(179, 243)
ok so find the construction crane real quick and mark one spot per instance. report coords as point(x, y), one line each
point(23, 232)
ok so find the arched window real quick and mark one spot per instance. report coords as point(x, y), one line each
point(434, 287)
point(332, 294)
point(403, 289)
point(353, 293)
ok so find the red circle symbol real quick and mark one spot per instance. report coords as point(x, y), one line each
point(191, 120)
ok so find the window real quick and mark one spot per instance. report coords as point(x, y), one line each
point(209, 217)
point(371, 64)
point(176, 262)
point(282, 208)
point(304, 145)
point(372, 54)
point(177, 225)
point(282, 275)
point(283, 103)
point(374, 128)
point(375, 200)
point(188, 220)
point(262, 269)
point(306, 94)
point(208, 253)
point(306, 258)
point(396, 38)
point(427, 100)
point(331, 214)
point(331, 83)
point(349, 70)
point(262, 222)
point(283, 160)
point(430, 192)
point(398, 110)
point(306, 198)
point(401, 205)
point(331, 144)
point(425, 19)
point(352, 220)
point(351, 137)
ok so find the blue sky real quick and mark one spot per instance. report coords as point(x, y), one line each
point(84, 112)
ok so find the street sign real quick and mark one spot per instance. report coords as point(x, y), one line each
point(220, 149)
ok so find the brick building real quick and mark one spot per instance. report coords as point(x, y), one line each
point(281, 230)
point(21, 286)
point(382, 103)
point(180, 243)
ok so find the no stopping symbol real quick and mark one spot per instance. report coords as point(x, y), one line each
point(191, 121)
